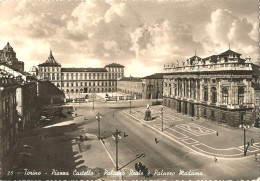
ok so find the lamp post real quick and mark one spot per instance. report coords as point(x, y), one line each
point(130, 101)
point(162, 111)
point(93, 101)
point(116, 136)
point(98, 117)
point(245, 126)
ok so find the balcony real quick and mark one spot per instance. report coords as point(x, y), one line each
point(208, 67)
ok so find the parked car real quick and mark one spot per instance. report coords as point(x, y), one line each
point(140, 167)
point(69, 112)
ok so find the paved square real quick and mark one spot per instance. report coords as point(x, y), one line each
point(195, 129)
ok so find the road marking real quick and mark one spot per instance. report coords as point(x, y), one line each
point(253, 149)
point(190, 142)
point(108, 153)
point(192, 149)
point(217, 154)
point(195, 129)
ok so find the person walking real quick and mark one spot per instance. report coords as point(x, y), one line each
point(255, 156)
point(215, 159)
point(252, 141)
point(156, 140)
point(217, 133)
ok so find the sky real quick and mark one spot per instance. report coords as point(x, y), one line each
point(142, 35)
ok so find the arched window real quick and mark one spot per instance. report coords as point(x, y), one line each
point(68, 91)
point(213, 95)
point(72, 90)
point(77, 90)
point(225, 95)
point(241, 92)
point(206, 93)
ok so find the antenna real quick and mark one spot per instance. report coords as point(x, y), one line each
point(195, 53)
point(229, 46)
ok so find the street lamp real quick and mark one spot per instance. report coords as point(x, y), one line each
point(93, 101)
point(130, 101)
point(116, 136)
point(244, 127)
point(162, 111)
point(98, 117)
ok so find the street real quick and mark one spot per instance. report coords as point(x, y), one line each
point(165, 158)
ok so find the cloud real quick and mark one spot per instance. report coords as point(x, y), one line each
point(137, 35)
point(225, 27)
point(164, 40)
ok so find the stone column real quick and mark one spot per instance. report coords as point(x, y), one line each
point(195, 89)
point(230, 93)
point(189, 89)
point(218, 92)
point(201, 90)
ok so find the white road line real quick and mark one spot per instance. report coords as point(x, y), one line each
point(203, 154)
point(108, 154)
point(239, 154)
point(194, 141)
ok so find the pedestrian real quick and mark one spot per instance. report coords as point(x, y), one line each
point(255, 156)
point(252, 141)
point(217, 133)
point(113, 114)
point(191, 119)
point(215, 159)
point(156, 140)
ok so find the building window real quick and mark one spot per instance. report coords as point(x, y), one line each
point(213, 95)
point(71, 84)
point(206, 93)
point(68, 85)
point(241, 92)
point(224, 95)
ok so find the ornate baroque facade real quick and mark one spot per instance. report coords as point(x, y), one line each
point(81, 80)
point(8, 57)
point(217, 88)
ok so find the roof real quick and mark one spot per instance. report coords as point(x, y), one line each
point(115, 65)
point(132, 79)
point(83, 70)
point(155, 76)
point(193, 59)
point(212, 58)
point(229, 52)
point(8, 47)
point(33, 69)
point(50, 61)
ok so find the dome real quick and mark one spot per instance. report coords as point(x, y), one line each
point(34, 69)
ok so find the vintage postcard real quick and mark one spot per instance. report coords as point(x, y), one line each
point(129, 90)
